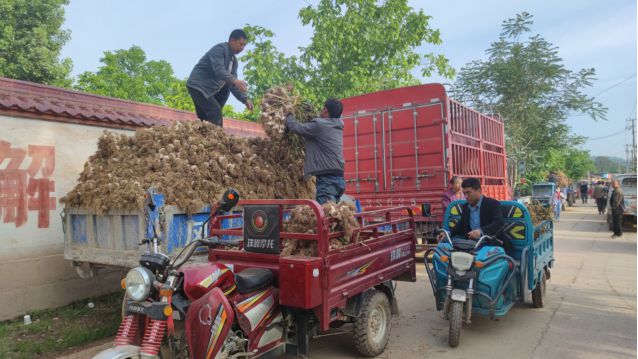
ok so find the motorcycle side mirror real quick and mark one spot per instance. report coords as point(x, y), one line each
point(228, 200)
point(226, 203)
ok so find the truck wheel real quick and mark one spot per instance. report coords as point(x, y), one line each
point(539, 292)
point(372, 327)
point(456, 320)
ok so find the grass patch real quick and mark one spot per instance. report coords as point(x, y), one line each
point(55, 330)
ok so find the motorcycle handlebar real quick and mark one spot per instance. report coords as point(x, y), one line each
point(488, 239)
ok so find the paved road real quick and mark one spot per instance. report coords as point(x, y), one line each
point(590, 308)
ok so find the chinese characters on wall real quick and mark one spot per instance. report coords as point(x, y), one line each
point(26, 184)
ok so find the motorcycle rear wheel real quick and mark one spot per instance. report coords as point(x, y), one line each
point(538, 294)
point(372, 327)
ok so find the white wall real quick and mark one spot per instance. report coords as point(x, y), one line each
point(36, 154)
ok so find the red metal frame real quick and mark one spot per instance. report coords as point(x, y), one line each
point(402, 145)
point(377, 256)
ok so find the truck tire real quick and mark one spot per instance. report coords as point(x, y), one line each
point(372, 327)
point(456, 321)
point(538, 294)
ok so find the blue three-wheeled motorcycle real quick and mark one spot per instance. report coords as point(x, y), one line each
point(470, 276)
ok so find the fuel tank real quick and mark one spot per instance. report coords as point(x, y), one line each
point(201, 278)
point(207, 324)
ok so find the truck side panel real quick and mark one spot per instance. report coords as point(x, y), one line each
point(402, 145)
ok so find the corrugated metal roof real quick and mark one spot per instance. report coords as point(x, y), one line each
point(31, 100)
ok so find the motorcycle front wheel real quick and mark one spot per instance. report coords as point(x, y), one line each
point(456, 321)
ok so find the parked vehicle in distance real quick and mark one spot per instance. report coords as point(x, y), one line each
point(543, 193)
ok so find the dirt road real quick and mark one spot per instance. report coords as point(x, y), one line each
point(590, 308)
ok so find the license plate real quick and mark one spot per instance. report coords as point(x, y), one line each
point(136, 308)
point(458, 295)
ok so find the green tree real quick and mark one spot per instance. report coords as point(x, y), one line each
point(524, 80)
point(605, 164)
point(578, 163)
point(266, 67)
point(357, 46)
point(177, 96)
point(127, 74)
point(31, 39)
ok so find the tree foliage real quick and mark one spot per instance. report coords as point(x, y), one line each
point(606, 164)
point(127, 74)
point(357, 46)
point(31, 39)
point(525, 81)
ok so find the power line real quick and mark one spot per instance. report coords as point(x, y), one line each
point(615, 85)
point(607, 136)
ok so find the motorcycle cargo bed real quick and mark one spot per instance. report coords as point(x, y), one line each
point(326, 281)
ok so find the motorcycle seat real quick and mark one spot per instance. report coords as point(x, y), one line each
point(463, 244)
point(252, 279)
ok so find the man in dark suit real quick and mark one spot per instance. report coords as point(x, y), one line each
point(481, 215)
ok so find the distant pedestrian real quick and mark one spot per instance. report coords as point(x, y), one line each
point(617, 208)
point(584, 188)
point(453, 193)
point(558, 203)
point(600, 197)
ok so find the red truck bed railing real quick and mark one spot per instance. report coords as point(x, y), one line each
point(402, 145)
point(384, 251)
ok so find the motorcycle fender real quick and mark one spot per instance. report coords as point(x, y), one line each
point(120, 352)
point(459, 295)
point(208, 321)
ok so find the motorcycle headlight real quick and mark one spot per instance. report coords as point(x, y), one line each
point(461, 260)
point(138, 283)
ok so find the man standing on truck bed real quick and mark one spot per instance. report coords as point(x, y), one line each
point(215, 77)
point(324, 150)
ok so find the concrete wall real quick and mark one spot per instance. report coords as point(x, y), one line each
point(39, 163)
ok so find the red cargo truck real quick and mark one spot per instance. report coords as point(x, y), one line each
point(401, 147)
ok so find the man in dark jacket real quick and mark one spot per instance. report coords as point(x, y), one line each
point(480, 215)
point(215, 77)
point(324, 150)
point(617, 207)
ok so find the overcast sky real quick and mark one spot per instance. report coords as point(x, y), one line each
point(598, 34)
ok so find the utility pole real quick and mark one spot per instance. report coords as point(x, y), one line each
point(630, 149)
point(633, 144)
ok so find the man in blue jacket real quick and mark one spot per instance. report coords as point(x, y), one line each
point(215, 77)
point(324, 150)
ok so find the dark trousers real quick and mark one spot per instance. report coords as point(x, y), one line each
point(330, 188)
point(210, 109)
point(616, 219)
point(601, 203)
